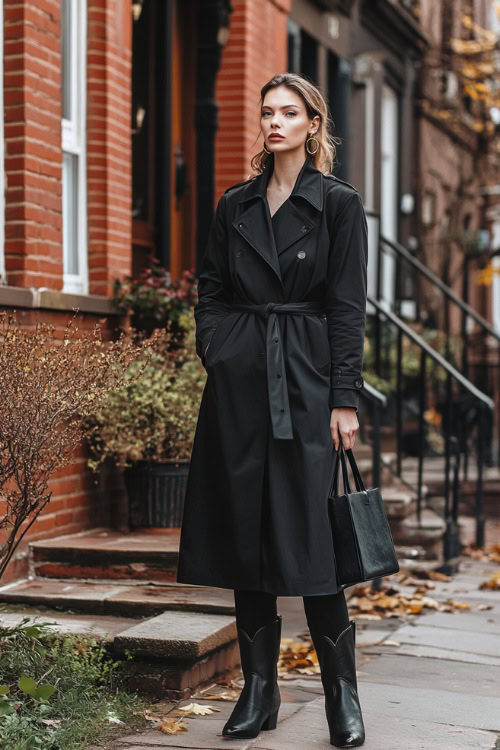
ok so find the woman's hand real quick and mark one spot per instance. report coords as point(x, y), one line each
point(343, 426)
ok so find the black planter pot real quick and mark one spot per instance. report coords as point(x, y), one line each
point(156, 493)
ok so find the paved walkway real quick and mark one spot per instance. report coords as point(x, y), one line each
point(432, 681)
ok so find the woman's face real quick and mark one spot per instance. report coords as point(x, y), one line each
point(284, 120)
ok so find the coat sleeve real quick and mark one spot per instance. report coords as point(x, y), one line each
point(214, 282)
point(346, 301)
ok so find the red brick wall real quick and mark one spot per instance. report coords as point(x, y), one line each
point(32, 94)
point(257, 49)
point(109, 162)
point(33, 221)
point(80, 500)
point(33, 158)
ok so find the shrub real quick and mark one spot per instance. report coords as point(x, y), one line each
point(48, 387)
point(154, 416)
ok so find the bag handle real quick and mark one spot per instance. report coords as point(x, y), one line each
point(335, 481)
point(341, 453)
point(360, 486)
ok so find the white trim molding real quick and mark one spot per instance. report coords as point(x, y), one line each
point(74, 172)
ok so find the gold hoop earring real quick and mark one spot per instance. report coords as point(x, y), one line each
point(265, 149)
point(314, 140)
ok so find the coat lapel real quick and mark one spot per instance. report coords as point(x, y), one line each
point(292, 226)
point(254, 223)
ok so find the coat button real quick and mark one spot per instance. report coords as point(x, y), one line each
point(278, 375)
point(282, 410)
point(239, 254)
point(241, 225)
point(301, 254)
point(276, 340)
point(304, 228)
point(358, 382)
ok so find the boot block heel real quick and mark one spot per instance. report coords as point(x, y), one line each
point(271, 721)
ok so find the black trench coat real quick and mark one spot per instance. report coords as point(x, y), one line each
point(284, 314)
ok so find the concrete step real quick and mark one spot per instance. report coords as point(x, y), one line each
point(102, 627)
point(427, 532)
point(399, 502)
point(173, 653)
point(467, 496)
point(119, 598)
point(104, 554)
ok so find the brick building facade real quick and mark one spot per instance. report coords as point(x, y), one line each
point(124, 121)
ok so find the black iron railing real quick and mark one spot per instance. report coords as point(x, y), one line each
point(461, 428)
point(480, 348)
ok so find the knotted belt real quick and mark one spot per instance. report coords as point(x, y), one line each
point(279, 405)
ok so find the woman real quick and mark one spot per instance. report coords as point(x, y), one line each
point(280, 331)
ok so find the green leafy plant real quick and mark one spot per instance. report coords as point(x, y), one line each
point(153, 298)
point(154, 416)
point(48, 679)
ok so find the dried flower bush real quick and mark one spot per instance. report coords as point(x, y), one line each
point(153, 417)
point(48, 387)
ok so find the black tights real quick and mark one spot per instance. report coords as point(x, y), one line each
point(326, 614)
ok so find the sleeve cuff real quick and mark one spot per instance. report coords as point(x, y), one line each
point(344, 397)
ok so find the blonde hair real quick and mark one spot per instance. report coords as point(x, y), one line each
point(324, 158)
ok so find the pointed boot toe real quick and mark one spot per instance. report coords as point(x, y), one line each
point(258, 704)
point(338, 674)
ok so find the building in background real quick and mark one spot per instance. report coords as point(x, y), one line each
point(123, 122)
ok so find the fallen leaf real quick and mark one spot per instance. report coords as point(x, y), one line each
point(436, 576)
point(484, 606)
point(197, 709)
point(113, 718)
point(173, 726)
point(309, 670)
point(226, 695)
point(391, 643)
point(368, 617)
point(492, 583)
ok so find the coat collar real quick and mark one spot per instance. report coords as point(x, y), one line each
point(254, 222)
point(308, 185)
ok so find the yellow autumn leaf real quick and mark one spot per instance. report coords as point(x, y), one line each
point(173, 726)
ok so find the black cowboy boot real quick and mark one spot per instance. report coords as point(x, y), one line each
point(259, 701)
point(338, 674)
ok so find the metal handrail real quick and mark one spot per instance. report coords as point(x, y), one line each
point(470, 387)
point(447, 291)
point(454, 443)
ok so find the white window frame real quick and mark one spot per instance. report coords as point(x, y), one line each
point(74, 136)
point(389, 170)
point(3, 275)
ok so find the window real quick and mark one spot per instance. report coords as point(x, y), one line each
point(74, 203)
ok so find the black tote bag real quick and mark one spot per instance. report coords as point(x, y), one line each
point(363, 543)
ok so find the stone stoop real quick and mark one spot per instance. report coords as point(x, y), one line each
point(120, 599)
point(197, 649)
point(173, 653)
point(105, 554)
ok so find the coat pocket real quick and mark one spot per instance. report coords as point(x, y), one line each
point(216, 343)
point(323, 356)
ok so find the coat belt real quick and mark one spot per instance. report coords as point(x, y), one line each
point(279, 406)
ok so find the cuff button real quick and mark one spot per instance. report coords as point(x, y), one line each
point(358, 382)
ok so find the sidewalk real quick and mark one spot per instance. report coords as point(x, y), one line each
point(432, 681)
